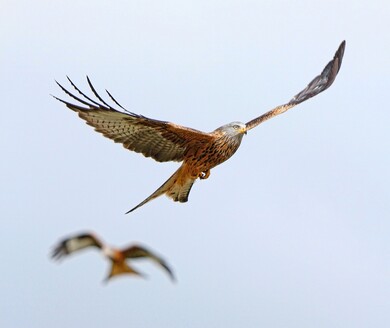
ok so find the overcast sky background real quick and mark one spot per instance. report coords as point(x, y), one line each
point(293, 231)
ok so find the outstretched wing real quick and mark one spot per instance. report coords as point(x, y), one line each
point(163, 141)
point(75, 243)
point(141, 252)
point(316, 86)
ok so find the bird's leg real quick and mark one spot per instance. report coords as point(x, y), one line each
point(204, 175)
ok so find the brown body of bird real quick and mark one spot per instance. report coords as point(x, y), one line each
point(117, 257)
point(165, 141)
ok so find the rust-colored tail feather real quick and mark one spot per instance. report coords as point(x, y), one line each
point(119, 268)
point(173, 188)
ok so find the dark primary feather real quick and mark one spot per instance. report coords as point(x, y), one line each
point(324, 80)
point(141, 252)
point(59, 251)
point(161, 140)
point(319, 84)
point(75, 243)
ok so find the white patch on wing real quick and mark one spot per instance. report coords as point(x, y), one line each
point(108, 251)
point(78, 243)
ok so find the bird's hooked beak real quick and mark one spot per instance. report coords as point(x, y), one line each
point(243, 130)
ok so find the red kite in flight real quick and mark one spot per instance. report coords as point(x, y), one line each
point(198, 151)
point(117, 257)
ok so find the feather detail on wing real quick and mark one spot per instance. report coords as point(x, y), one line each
point(163, 141)
point(75, 243)
point(141, 252)
point(317, 85)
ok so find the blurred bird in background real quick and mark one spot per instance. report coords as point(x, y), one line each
point(117, 257)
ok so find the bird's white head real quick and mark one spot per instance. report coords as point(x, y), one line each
point(233, 129)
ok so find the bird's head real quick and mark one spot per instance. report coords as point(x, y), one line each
point(234, 129)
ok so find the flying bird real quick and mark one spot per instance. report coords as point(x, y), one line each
point(118, 257)
point(163, 141)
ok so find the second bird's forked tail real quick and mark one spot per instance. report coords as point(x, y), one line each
point(177, 187)
point(120, 268)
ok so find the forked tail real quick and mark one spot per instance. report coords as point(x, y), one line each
point(177, 187)
point(119, 268)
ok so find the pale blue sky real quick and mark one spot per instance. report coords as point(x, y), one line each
point(293, 231)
